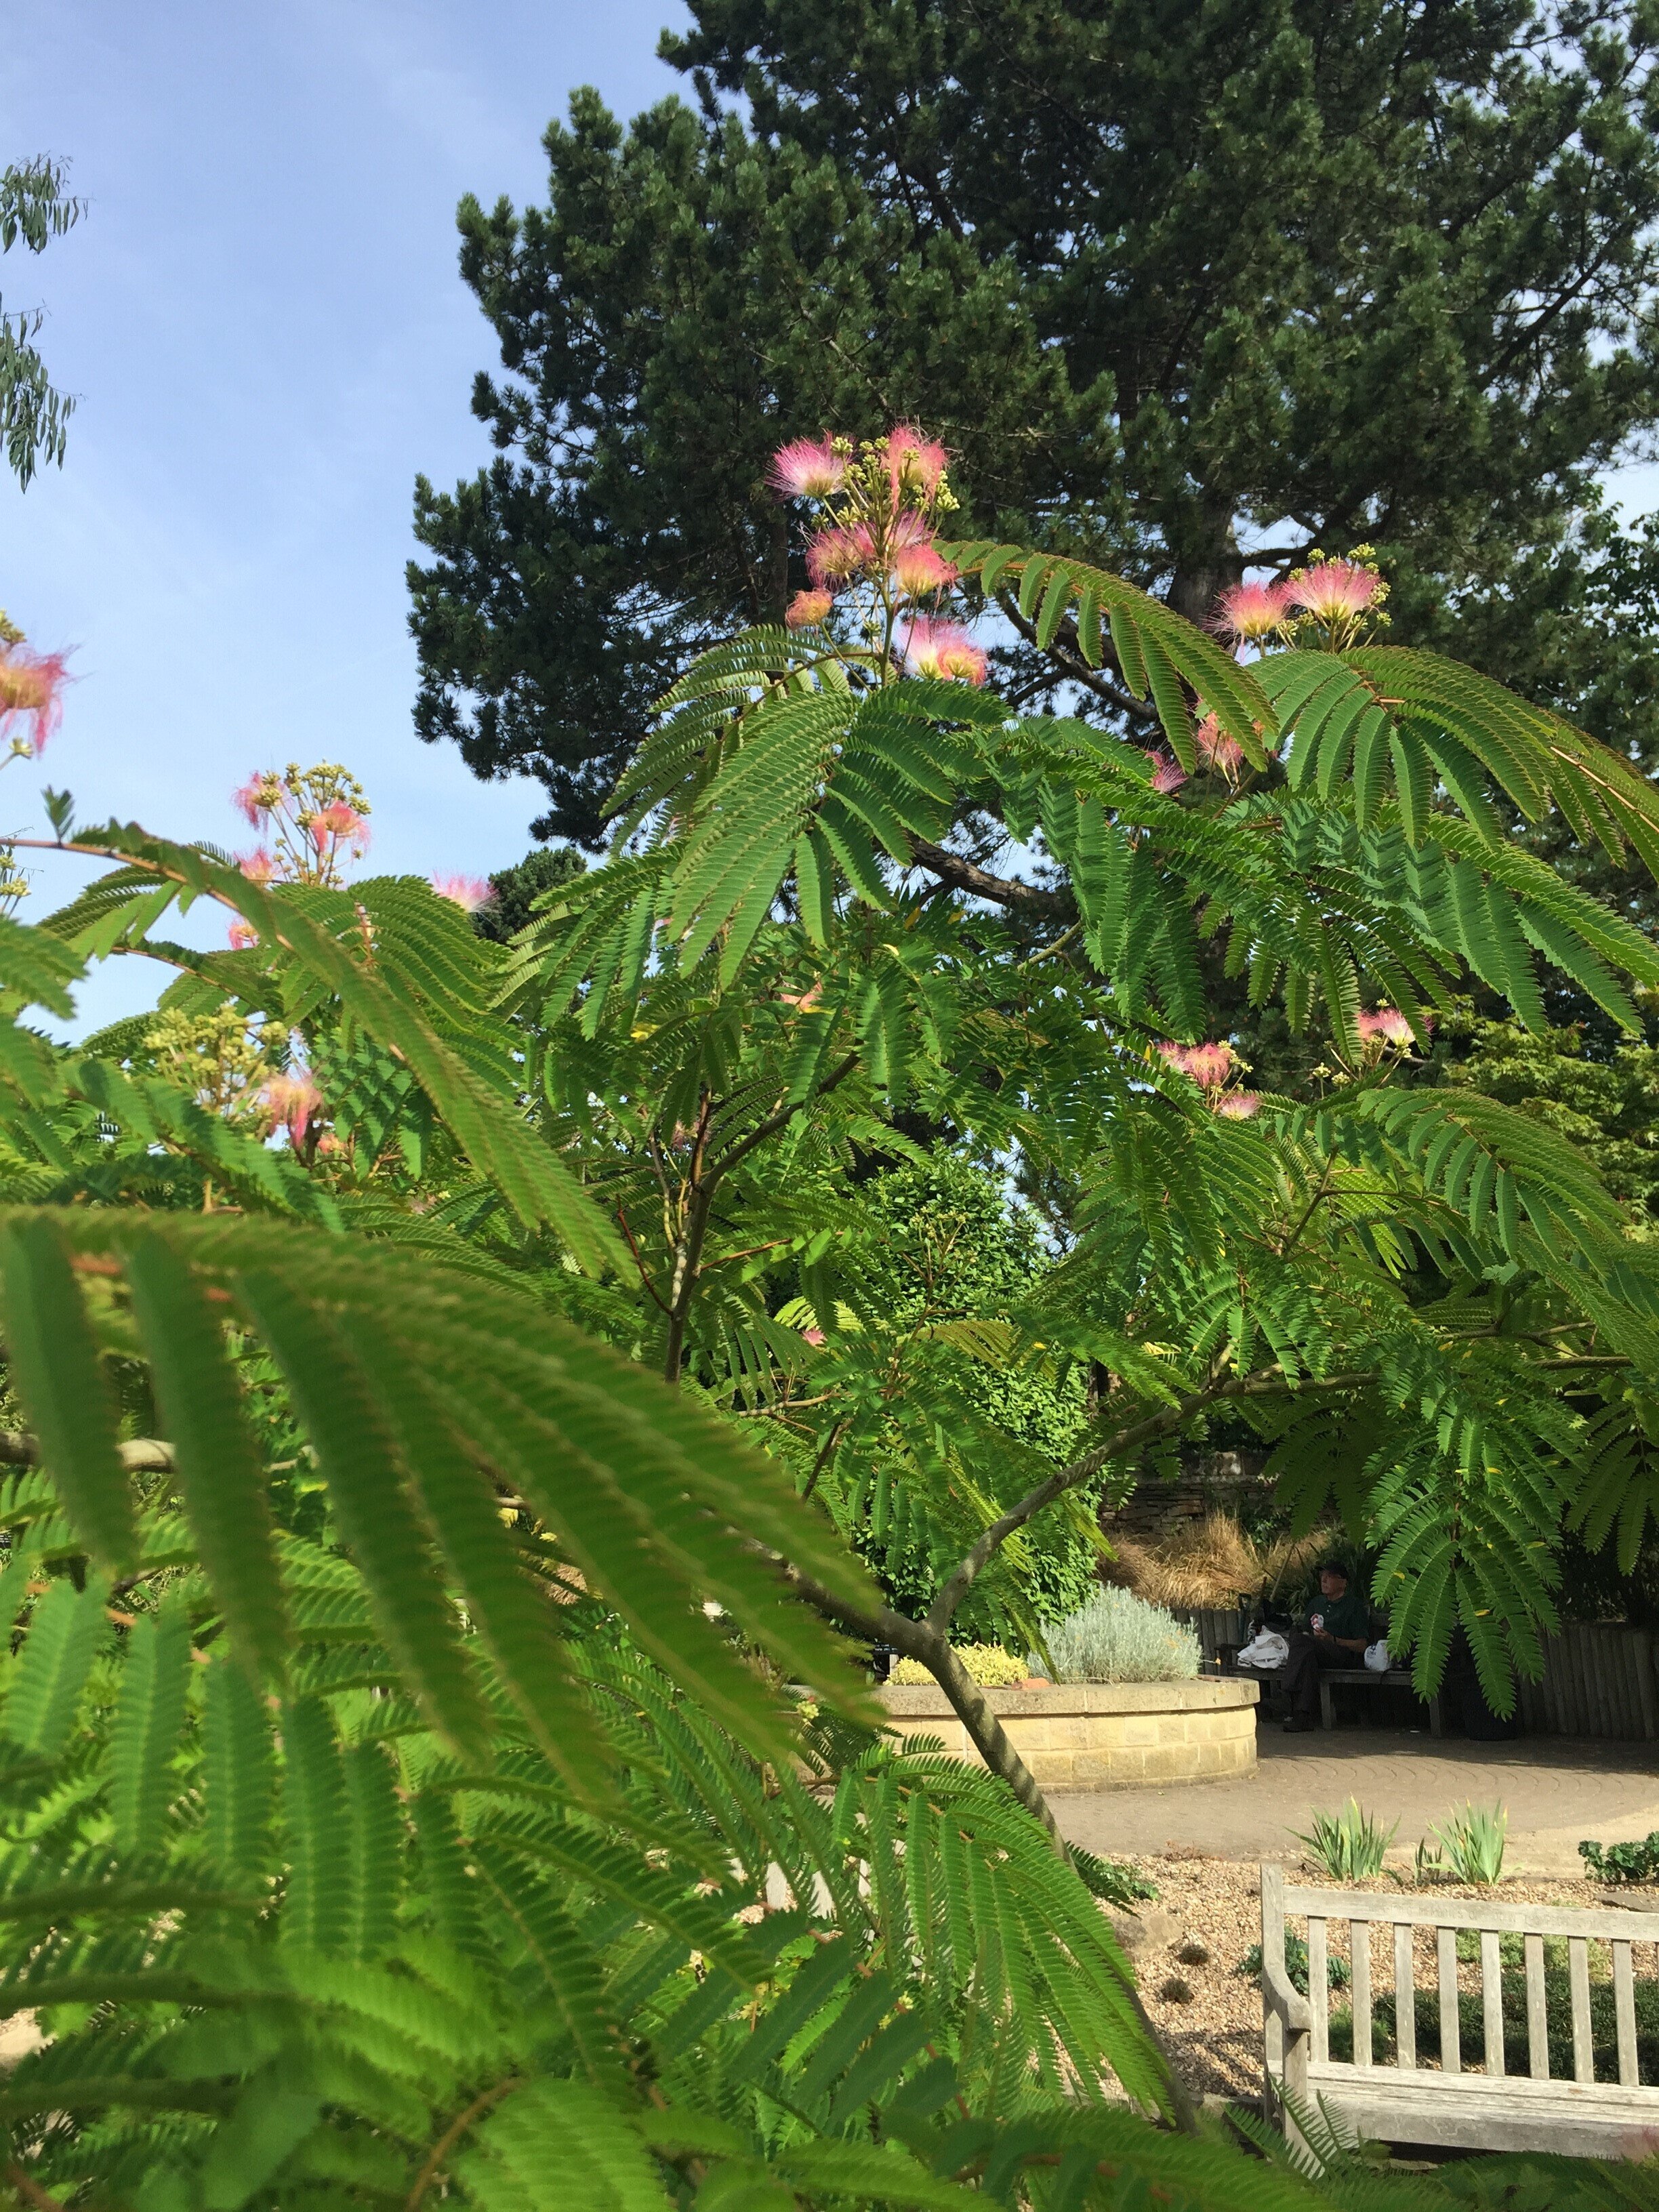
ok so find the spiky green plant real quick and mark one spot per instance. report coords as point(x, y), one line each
point(1349, 1844)
point(1473, 1842)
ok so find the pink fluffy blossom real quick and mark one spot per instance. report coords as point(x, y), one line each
point(243, 936)
point(258, 865)
point(1388, 1024)
point(1251, 612)
point(922, 567)
point(808, 609)
point(1206, 1064)
point(1334, 591)
point(31, 694)
point(1237, 1105)
point(340, 822)
point(293, 1103)
point(467, 892)
point(912, 458)
point(259, 795)
point(938, 648)
point(1168, 774)
point(834, 555)
point(806, 468)
point(813, 1336)
point(1216, 749)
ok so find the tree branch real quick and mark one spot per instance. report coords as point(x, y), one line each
point(963, 875)
point(1066, 648)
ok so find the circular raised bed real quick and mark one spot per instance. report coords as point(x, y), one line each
point(1102, 1735)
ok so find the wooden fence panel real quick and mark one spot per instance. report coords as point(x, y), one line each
point(1598, 1681)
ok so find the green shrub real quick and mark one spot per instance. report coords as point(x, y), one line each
point(1348, 1844)
point(1616, 1862)
point(1118, 1637)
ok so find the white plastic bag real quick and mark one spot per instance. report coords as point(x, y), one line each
point(1268, 1649)
point(1377, 1658)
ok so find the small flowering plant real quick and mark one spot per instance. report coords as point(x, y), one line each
point(314, 823)
point(874, 556)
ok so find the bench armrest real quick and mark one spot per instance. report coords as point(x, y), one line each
point(1280, 1996)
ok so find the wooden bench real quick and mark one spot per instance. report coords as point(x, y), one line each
point(1360, 1677)
point(1406, 2102)
point(1365, 1678)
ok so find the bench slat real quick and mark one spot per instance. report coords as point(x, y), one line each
point(1624, 2000)
point(1451, 2046)
point(1608, 1926)
point(1359, 1967)
point(1538, 2024)
point(1492, 2000)
point(1472, 2112)
point(1319, 1991)
point(1584, 2051)
point(1404, 2001)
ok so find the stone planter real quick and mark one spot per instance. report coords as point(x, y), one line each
point(1102, 1735)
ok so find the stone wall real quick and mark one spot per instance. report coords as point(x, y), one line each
point(1102, 1735)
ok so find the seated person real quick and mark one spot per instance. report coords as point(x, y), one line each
point(1335, 1632)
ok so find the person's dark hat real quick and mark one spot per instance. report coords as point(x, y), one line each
point(1333, 1567)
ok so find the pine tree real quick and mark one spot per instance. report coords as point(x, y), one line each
point(1173, 280)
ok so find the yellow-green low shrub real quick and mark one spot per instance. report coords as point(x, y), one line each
point(990, 1666)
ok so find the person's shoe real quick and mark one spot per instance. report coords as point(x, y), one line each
point(1298, 1724)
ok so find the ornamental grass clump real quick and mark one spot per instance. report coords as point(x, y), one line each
point(1349, 1844)
point(1118, 1637)
point(1473, 1841)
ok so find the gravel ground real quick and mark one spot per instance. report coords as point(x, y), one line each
point(1214, 2034)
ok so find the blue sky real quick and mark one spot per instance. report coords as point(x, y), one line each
point(263, 322)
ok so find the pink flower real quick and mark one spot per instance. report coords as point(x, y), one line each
point(467, 892)
point(1388, 1024)
point(243, 936)
point(339, 822)
point(1216, 749)
point(1206, 1064)
point(806, 468)
point(1250, 611)
point(921, 568)
point(1237, 1105)
point(1334, 591)
point(813, 1336)
point(257, 866)
point(834, 555)
point(912, 458)
point(256, 796)
point(291, 1102)
point(1169, 775)
point(808, 609)
point(937, 648)
point(30, 691)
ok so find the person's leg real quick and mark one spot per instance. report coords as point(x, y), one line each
point(1301, 1681)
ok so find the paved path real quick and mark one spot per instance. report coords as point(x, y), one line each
point(1557, 1791)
